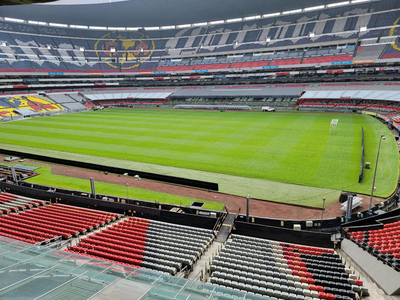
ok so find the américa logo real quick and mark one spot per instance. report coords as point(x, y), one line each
point(391, 32)
point(126, 48)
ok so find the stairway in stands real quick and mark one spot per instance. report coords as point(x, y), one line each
point(255, 266)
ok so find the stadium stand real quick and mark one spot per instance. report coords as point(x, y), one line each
point(147, 243)
point(42, 224)
point(283, 270)
point(370, 52)
point(391, 51)
point(67, 101)
point(213, 107)
point(383, 243)
point(331, 27)
point(199, 67)
point(11, 203)
point(33, 103)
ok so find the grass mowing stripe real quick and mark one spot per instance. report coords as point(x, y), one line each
point(47, 178)
point(285, 147)
point(242, 186)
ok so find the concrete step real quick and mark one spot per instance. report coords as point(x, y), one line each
point(204, 262)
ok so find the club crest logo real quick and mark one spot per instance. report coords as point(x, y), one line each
point(128, 50)
point(391, 33)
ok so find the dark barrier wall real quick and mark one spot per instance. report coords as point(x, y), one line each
point(121, 208)
point(327, 223)
point(364, 228)
point(372, 220)
point(361, 176)
point(165, 178)
point(316, 239)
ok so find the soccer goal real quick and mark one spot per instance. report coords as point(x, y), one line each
point(333, 126)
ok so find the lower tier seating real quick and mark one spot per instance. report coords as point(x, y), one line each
point(349, 104)
point(284, 271)
point(147, 243)
point(13, 203)
point(384, 243)
point(42, 224)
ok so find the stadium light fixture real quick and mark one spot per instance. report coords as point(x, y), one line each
point(314, 8)
point(200, 24)
point(338, 4)
point(37, 23)
point(79, 26)
point(217, 22)
point(183, 26)
point(167, 27)
point(98, 27)
point(234, 20)
point(294, 11)
point(116, 28)
point(252, 18)
point(359, 1)
point(133, 28)
point(271, 15)
point(14, 20)
point(58, 25)
point(382, 138)
point(151, 28)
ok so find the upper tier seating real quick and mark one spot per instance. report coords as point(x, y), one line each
point(327, 59)
point(250, 64)
point(174, 68)
point(23, 52)
point(283, 62)
point(211, 66)
point(315, 55)
point(391, 51)
point(384, 243)
point(38, 225)
point(147, 243)
point(284, 271)
point(369, 52)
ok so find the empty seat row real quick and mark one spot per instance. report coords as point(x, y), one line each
point(383, 243)
point(46, 222)
point(286, 268)
point(147, 243)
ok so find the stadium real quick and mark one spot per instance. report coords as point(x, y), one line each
point(200, 149)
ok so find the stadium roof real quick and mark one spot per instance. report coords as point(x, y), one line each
point(132, 13)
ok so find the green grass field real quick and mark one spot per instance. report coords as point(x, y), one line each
point(47, 178)
point(273, 156)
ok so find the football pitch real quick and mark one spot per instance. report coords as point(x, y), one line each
point(286, 157)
